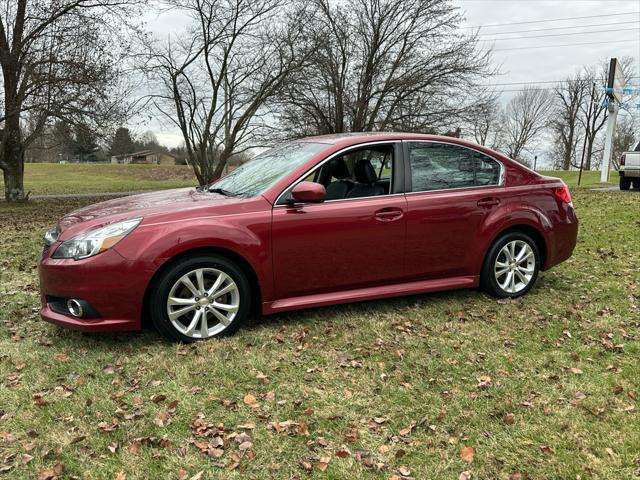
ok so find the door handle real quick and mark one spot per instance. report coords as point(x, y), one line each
point(488, 202)
point(389, 214)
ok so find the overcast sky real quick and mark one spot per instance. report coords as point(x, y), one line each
point(611, 29)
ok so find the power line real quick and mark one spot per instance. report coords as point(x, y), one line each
point(560, 34)
point(553, 20)
point(535, 82)
point(542, 88)
point(565, 45)
point(565, 28)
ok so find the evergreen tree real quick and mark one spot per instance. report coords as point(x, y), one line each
point(85, 146)
point(122, 142)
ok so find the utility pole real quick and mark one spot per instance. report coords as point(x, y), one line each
point(615, 89)
point(535, 162)
point(608, 146)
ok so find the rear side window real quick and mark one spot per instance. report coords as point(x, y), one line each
point(441, 166)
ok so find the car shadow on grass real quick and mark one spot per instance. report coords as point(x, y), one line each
point(444, 302)
point(365, 308)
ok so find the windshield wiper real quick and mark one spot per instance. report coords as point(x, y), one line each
point(222, 191)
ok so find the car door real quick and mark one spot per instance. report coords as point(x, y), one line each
point(344, 243)
point(452, 189)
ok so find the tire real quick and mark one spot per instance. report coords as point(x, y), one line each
point(499, 285)
point(625, 183)
point(181, 320)
point(636, 183)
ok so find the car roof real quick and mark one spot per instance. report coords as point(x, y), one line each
point(355, 138)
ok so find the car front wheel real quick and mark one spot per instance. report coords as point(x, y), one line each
point(511, 266)
point(200, 297)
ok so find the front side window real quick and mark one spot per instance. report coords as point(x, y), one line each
point(363, 172)
point(440, 166)
point(262, 172)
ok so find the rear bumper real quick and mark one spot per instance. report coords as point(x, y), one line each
point(630, 173)
point(108, 282)
point(562, 239)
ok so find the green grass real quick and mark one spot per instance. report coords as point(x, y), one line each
point(51, 178)
point(563, 360)
point(589, 179)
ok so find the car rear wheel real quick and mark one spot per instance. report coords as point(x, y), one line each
point(625, 183)
point(511, 266)
point(636, 183)
point(200, 297)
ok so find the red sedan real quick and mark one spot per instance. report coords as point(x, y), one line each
point(313, 222)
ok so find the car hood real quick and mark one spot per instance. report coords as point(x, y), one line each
point(146, 205)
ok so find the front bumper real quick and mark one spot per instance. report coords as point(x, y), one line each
point(87, 325)
point(112, 285)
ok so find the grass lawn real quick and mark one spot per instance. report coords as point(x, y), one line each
point(589, 179)
point(52, 178)
point(428, 386)
point(49, 178)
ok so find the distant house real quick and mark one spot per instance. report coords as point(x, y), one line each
point(150, 157)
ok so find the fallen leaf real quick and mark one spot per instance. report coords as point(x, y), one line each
point(544, 449)
point(484, 381)
point(467, 454)
point(404, 470)
point(343, 452)
point(574, 370)
point(251, 401)
point(162, 419)
point(52, 473)
point(77, 439)
point(323, 463)
point(466, 475)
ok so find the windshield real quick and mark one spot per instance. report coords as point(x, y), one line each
point(262, 172)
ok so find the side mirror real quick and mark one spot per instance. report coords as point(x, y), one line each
point(308, 192)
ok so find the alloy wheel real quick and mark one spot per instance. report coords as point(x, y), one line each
point(203, 302)
point(515, 266)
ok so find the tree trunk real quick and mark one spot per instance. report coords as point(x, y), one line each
point(13, 169)
point(587, 162)
point(14, 184)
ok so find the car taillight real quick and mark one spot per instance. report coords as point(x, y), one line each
point(622, 159)
point(562, 193)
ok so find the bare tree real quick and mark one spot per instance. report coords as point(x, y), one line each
point(566, 126)
point(484, 122)
point(382, 65)
point(525, 118)
point(215, 80)
point(58, 60)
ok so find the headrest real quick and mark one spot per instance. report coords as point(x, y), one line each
point(365, 173)
point(339, 169)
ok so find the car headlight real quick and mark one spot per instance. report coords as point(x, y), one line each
point(95, 241)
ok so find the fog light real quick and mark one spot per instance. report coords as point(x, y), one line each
point(75, 307)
